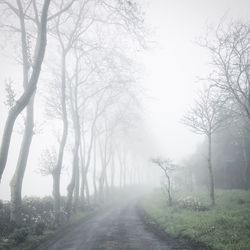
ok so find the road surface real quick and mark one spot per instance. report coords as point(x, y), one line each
point(119, 228)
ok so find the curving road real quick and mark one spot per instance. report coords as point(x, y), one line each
point(119, 228)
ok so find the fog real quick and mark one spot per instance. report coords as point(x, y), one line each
point(130, 114)
point(169, 71)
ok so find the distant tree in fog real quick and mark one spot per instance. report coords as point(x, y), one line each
point(68, 30)
point(207, 116)
point(167, 166)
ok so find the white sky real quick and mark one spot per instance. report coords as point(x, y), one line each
point(172, 67)
point(176, 62)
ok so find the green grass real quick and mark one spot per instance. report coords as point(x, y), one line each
point(223, 227)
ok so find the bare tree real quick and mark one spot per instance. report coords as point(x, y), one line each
point(74, 183)
point(92, 134)
point(74, 101)
point(94, 169)
point(230, 52)
point(167, 167)
point(206, 117)
point(68, 30)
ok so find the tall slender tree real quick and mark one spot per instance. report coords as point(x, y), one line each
point(229, 48)
point(206, 117)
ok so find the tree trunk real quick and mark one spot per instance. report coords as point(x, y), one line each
point(85, 169)
point(71, 186)
point(75, 174)
point(17, 179)
point(84, 196)
point(247, 174)
point(246, 154)
point(101, 187)
point(58, 168)
point(56, 194)
point(121, 169)
point(82, 192)
point(76, 190)
point(169, 190)
point(75, 169)
point(103, 182)
point(87, 189)
point(82, 157)
point(106, 184)
point(112, 172)
point(210, 169)
point(102, 176)
point(94, 172)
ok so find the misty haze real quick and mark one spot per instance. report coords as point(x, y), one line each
point(125, 125)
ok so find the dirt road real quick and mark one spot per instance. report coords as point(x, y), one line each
point(119, 228)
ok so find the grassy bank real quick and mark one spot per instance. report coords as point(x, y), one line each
point(223, 227)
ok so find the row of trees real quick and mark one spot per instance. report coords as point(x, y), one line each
point(222, 109)
point(88, 90)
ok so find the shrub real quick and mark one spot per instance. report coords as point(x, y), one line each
point(241, 201)
point(191, 203)
point(20, 235)
point(38, 210)
point(39, 228)
point(37, 214)
point(6, 227)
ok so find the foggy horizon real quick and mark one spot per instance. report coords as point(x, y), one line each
point(170, 68)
